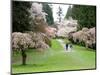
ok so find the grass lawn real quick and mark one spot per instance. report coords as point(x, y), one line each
point(55, 59)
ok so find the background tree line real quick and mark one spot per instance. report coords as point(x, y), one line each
point(86, 15)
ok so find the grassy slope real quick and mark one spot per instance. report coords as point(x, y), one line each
point(55, 59)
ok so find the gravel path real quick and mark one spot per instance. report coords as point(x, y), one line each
point(63, 45)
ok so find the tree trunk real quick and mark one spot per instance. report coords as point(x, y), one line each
point(23, 57)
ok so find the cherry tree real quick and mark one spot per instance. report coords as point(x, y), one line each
point(21, 42)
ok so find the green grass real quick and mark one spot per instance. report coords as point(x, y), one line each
point(55, 59)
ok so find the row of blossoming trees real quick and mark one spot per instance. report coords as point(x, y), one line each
point(30, 29)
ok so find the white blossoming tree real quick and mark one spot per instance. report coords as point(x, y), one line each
point(84, 37)
point(21, 42)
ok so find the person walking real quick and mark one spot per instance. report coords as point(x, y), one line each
point(66, 46)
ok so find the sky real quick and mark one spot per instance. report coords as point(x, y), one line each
point(55, 9)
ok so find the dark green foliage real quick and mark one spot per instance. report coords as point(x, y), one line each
point(47, 9)
point(94, 46)
point(69, 12)
point(86, 15)
point(20, 16)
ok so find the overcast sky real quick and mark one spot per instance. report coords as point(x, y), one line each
point(55, 9)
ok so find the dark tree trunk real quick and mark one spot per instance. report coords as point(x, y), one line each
point(23, 57)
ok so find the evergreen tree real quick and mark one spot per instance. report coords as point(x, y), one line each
point(47, 9)
point(69, 12)
point(86, 15)
point(20, 16)
point(60, 14)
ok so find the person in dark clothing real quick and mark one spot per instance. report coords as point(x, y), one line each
point(71, 46)
point(66, 46)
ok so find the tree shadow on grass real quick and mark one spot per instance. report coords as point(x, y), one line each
point(29, 65)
